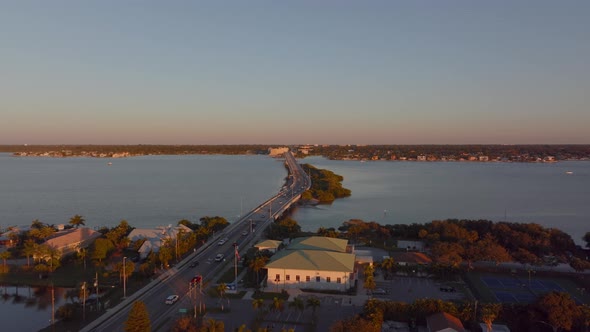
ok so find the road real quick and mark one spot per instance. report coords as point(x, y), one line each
point(244, 232)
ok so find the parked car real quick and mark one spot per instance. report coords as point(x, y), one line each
point(379, 291)
point(194, 264)
point(171, 299)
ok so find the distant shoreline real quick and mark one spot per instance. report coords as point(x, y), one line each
point(360, 153)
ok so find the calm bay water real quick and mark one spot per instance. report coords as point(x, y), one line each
point(418, 192)
point(160, 190)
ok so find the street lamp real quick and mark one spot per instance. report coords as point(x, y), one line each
point(124, 277)
point(84, 301)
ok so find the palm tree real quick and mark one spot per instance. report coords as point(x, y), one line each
point(82, 254)
point(220, 289)
point(298, 304)
point(277, 304)
point(214, 326)
point(29, 250)
point(258, 264)
point(77, 220)
point(313, 302)
point(4, 256)
point(257, 303)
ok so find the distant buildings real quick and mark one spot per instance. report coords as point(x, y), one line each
point(316, 262)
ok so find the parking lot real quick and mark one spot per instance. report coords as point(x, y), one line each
point(409, 289)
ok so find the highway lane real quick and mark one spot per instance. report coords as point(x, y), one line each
point(176, 280)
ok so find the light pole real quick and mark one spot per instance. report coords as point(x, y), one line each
point(84, 301)
point(96, 285)
point(124, 278)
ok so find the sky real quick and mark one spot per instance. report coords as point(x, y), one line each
point(294, 72)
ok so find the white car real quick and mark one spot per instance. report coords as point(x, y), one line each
point(171, 299)
point(244, 233)
point(221, 242)
point(219, 257)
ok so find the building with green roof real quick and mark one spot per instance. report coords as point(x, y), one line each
point(315, 262)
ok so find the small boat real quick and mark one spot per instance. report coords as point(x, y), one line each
point(109, 163)
point(569, 172)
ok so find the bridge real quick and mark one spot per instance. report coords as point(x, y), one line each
point(177, 279)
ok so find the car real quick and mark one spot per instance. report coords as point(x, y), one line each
point(379, 291)
point(194, 264)
point(244, 233)
point(219, 257)
point(221, 242)
point(196, 279)
point(171, 299)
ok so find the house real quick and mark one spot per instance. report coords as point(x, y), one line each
point(410, 245)
point(72, 240)
point(155, 237)
point(269, 245)
point(315, 262)
point(8, 238)
point(410, 258)
point(443, 322)
point(495, 328)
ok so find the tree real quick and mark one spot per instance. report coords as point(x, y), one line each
point(277, 304)
point(138, 319)
point(587, 239)
point(77, 221)
point(82, 254)
point(579, 264)
point(257, 303)
point(313, 303)
point(489, 312)
point(369, 282)
point(258, 264)
point(559, 310)
point(185, 324)
point(220, 289)
point(298, 304)
point(29, 250)
point(387, 265)
point(102, 247)
point(4, 256)
point(214, 326)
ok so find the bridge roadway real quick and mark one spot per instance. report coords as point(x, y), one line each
point(176, 280)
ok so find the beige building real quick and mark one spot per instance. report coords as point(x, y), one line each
point(315, 262)
point(269, 245)
point(72, 240)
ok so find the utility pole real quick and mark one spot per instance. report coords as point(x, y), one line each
point(124, 278)
point(52, 305)
point(236, 257)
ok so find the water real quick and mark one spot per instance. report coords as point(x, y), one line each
point(146, 191)
point(151, 191)
point(419, 192)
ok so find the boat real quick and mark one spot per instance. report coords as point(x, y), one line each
point(569, 172)
point(109, 163)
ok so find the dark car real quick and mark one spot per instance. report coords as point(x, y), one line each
point(194, 264)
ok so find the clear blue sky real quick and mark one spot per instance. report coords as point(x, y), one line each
point(284, 72)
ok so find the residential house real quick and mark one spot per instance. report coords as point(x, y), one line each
point(155, 237)
point(315, 262)
point(444, 322)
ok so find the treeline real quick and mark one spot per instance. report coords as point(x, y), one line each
point(555, 310)
point(501, 152)
point(142, 149)
point(326, 186)
point(452, 242)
